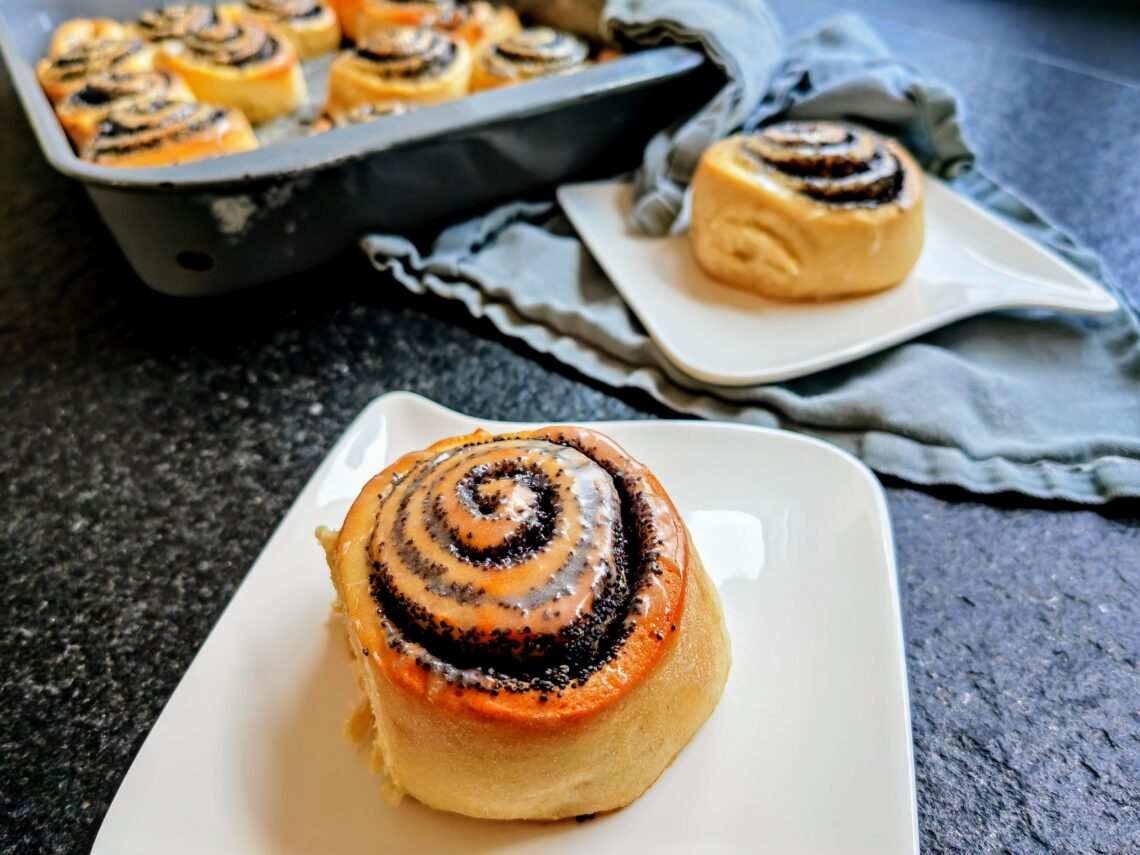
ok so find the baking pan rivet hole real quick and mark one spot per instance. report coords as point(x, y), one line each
point(194, 261)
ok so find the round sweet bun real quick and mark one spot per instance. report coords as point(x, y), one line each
point(388, 13)
point(311, 25)
point(239, 64)
point(577, 703)
point(165, 133)
point(807, 211)
point(528, 54)
point(479, 23)
point(82, 112)
point(418, 66)
point(75, 32)
point(67, 73)
point(173, 22)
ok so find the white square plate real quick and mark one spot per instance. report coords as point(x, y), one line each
point(809, 750)
point(971, 263)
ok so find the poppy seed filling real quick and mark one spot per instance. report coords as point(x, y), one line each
point(837, 164)
point(579, 541)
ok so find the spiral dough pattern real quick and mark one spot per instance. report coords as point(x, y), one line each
point(109, 91)
point(231, 43)
point(832, 163)
point(534, 52)
point(510, 558)
point(88, 58)
point(148, 126)
point(406, 52)
point(174, 22)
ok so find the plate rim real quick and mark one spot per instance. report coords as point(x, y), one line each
point(781, 371)
point(389, 405)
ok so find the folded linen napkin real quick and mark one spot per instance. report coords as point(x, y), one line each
point(1045, 405)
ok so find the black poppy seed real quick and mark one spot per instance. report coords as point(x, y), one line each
point(542, 699)
point(659, 636)
point(364, 650)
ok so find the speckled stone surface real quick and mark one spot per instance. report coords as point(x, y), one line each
point(150, 446)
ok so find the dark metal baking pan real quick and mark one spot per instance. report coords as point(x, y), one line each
point(218, 225)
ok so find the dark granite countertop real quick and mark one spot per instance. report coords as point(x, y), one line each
point(150, 446)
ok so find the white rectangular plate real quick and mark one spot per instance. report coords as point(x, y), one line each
point(971, 263)
point(809, 750)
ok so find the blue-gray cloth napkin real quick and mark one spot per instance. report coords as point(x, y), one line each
point(1043, 404)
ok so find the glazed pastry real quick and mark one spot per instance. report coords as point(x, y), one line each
point(82, 112)
point(382, 14)
point(173, 22)
point(402, 64)
point(807, 211)
point(532, 628)
point(165, 133)
point(311, 25)
point(69, 72)
point(360, 115)
point(478, 23)
point(239, 64)
point(73, 33)
point(533, 52)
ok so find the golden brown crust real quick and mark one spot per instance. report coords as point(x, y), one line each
point(482, 742)
point(797, 214)
point(168, 133)
point(384, 14)
point(241, 65)
point(82, 112)
point(68, 72)
point(173, 21)
point(528, 54)
point(479, 24)
point(75, 32)
point(403, 64)
point(311, 25)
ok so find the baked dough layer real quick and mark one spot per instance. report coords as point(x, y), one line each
point(401, 64)
point(597, 746)
point(753, 227)
point(240, 65)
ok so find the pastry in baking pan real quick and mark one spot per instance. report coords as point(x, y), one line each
point(68, 72)
point(389, 13)
point(164, 133)
point(530, 53)
point(532, 629)
point(311, 25)
point(239, 64)
point(413, 64)
point(79, 30)
point(807, 211)
point(175, 21)
point(84, 110)
point(478, 23)
point(360, 114)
